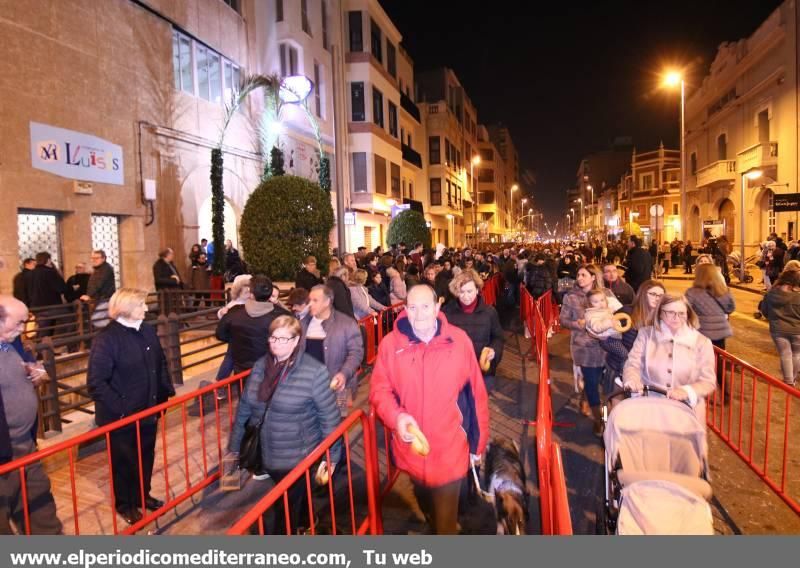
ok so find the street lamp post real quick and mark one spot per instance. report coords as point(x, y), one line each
point(475, 161)
point(583, 219)
point(569, 221)
point(591, 204)
point(514, 188)
point(672, 79)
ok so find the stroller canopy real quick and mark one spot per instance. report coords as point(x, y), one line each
point(656, 434)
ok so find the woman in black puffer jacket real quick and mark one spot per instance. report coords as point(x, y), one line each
point(301, 411)
point(468, 311)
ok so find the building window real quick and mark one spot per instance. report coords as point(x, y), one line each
point(393, 119)
point(646, 181)
point(486, 197)
point(450, 189)
point(693, 163)
point(304, 16)
point(356, 32)
point(675, 209)
point(105, 237)
point(770, 211)
point(447, 151)
point(324, 18)
point(391, 59)
point(377, 107)
point(722, 147)
point(235, 5)
point(357, 102)
point(185, 81)
point(395, 176)
point(359, 172)
point(288, 54)
point(317, 90)
point(436, 191)
point(486, 175)
point(380, 174)
point(458, 159)
point(232, 84)
point(411, 190)
point(278, 10)
point(434, 150)
point(38, 232)
point(487, 155)
point(216, 76)
point(375, 35)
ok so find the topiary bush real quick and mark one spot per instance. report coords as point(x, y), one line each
point(409, 227)
point(286, 219)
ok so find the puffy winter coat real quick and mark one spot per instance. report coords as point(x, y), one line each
point(482, 326)
point(538, 279)
point(712, 312)
point(302, 413)
point(441, 386)
point(782, 309)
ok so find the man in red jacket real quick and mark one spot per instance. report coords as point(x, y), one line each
point(427, 375)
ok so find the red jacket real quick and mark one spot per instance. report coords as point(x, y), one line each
point(441, 385)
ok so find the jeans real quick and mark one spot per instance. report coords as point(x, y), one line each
point(789, 352)
point(226, 368)
point(591, 384)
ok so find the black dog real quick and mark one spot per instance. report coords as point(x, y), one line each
point(505, 478)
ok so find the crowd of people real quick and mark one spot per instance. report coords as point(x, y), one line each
point(434, 370)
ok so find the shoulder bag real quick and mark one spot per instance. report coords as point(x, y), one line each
point(250, 448)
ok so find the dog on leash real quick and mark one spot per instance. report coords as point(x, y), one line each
point(505, 477)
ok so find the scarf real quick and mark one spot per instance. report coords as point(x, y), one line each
point(274, 372)
point(469, 308)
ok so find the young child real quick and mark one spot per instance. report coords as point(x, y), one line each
point(599, 315)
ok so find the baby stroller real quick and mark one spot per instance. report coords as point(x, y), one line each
point(656, 470)
point(734, 266)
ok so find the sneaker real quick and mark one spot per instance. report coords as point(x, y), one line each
point(260, 475)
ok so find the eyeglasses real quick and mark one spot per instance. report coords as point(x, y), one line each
point(671, 314)
point(655, 295)
point(281, 340)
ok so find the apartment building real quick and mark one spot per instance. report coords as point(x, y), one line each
point(740, 123)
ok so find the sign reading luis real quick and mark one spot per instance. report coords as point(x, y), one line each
point(75, 155)
point(786, 202)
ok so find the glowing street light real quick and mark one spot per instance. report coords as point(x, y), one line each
point(674, 78)
point(475, 161)
point(514, 188)
point(295, 89)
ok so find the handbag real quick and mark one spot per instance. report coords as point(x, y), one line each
point(250, 447)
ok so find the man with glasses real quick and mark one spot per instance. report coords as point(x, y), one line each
point(100, 288)
point(617, 285)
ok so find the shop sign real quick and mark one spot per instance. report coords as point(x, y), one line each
point(75, 155)
point(786, 202)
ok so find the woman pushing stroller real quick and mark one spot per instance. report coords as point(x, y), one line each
point(674, 356)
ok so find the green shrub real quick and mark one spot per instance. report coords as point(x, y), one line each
point(286, 219)
point(409, 227)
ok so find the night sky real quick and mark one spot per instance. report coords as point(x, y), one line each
point(568, 77)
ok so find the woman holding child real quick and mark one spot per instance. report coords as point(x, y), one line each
point(585, 345)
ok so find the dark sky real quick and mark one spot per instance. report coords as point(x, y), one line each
point(567, 77)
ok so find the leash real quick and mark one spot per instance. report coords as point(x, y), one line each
point(486, 495)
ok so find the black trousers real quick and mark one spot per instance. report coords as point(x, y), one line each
point(298, 507)
point(125, 463)
point(440, 505)
point(41, 505)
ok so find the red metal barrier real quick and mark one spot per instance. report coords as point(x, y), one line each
point(175, 458)
point(553, 504)
point(758, 416)
point(491, 289)
point(362, 517)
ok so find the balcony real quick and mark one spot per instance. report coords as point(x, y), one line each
point(760, 156)
point(408, 105)
point(723, 171)
point(411, 156)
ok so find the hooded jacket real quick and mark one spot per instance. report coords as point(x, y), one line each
point(782, 309)
point(246, 329)
point(441, 386)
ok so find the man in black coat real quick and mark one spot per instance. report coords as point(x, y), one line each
point(617, 285)
point(101, 283)
point(166, 277)
point(246, 327)
point(77, 283)
point(128, 374)
point(47, 289)
point(308, 276)
point(23, 281)
point(638, 263)
point(538, 276)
